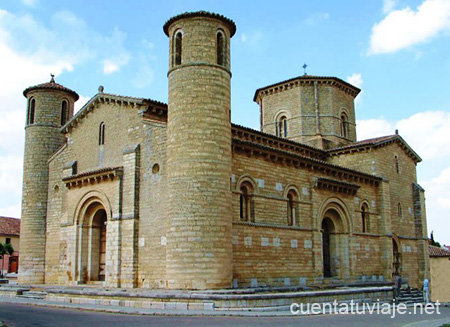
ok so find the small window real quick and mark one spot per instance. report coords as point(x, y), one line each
point(8, 240)
point(344, 125)
point(155, 169)
point(178, 48)
point(246, 203)
point(31, 111)
point(399, 210)
point(397, 168)
point(282, 127)
point(64, 112)
point(220, 49)
point(292, 208)
point(365, 218)
point(101, 134)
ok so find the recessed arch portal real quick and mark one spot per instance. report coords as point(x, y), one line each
point(334, 227)
point(92, 216)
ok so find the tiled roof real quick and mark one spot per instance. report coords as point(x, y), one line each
point(227, 21)
point(51, 85)
point(377, 142)
point(434, 251)
point(90, 105)
point(9, 226)
point(348, 86)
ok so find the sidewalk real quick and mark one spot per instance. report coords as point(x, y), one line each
point(143, 311)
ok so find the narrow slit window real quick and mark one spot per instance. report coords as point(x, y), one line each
point(399, 210)
point(246, 203)
point(64, 112)
point(220, 49)
point(365, 218)
point(31, 111)
point(101, 134)
point(178, 48)
point(397, 168)
point(344, 129)
point(282, 127)
point(292, 208)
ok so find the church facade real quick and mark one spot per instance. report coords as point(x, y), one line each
point(131, 192)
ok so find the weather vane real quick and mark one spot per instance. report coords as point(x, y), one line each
point(53, 78)
point(304, 68)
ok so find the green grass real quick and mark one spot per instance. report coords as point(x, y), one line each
point(444, 325)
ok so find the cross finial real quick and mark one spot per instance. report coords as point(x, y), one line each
point(53, 78)
point(304, 68)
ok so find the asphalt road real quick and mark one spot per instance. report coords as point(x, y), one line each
point(25, 315)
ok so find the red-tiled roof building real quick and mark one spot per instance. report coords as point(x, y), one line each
point(10, 234)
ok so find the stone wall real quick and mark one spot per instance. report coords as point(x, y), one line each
point(42, 139)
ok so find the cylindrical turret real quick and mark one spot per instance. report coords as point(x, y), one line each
point(49, 106)
point(199, 249)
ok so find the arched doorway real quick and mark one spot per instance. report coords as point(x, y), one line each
point(92, 242)
point(98, 246)
point(328, 247)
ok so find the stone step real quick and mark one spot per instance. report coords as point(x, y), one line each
point(33, 295)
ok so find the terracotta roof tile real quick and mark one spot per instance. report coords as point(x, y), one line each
point(227, 21)
point(434, 251)
point(51, 85)
point(9, 226)
point(354, 89)
point(375, 142)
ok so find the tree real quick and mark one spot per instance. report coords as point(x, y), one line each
point(5, 248)
point(433, 242)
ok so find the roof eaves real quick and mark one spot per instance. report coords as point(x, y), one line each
point(308, 77)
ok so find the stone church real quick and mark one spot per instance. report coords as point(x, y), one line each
point(131, 192)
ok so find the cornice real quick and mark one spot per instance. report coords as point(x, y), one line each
point(93, 177)
point(301, 162)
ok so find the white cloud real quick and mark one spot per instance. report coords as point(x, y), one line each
point(428, 133)
point(432, 145)
point(30, 3)
point(388, 6)
point(356, 80)
point(109, 67)
point(256, 41)
point(317, 18)
point(80, 103)
point(371, 128)
point(120, 55)
point(406, 27)
point(437, 192)
point(29, 52)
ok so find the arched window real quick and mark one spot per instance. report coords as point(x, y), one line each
point(397, 168)
point(282, 127)
point(31, 111)
point(64, 112)
point(344, 127)
point(292, 208)
point(101, 134)
point(178, 48)
point(399, 209)
point(220, 49)
point(365, 218)
point(246, 202)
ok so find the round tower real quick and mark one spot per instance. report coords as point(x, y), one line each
point(199, 249)
point(49, 106)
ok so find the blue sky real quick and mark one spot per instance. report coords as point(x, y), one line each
point(396, 51)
